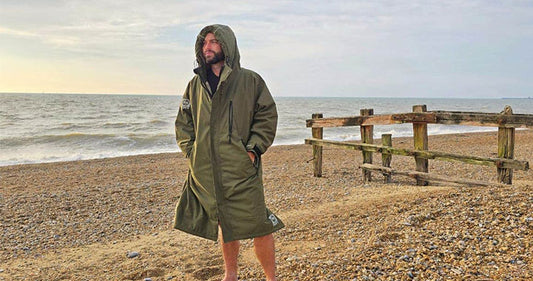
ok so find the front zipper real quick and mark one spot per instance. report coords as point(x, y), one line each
point(230, 120)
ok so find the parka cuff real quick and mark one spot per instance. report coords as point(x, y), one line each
point(257, 154)
point(254, 149)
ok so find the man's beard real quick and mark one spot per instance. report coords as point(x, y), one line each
point(216, 58)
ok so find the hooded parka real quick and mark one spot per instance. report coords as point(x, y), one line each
point(215, 133)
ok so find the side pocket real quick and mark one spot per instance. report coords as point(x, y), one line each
point(257, 159)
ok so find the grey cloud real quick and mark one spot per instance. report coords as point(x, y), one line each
point(373, 45)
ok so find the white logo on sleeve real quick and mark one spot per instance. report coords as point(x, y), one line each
point(273, 219)
point(185, 104)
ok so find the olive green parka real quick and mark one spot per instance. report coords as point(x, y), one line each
point(223, 185)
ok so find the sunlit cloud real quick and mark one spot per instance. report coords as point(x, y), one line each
point(363, 48)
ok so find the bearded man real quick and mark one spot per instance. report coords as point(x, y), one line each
point(226, 121)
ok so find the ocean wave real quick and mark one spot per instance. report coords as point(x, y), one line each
point(66, 126)
point(82, 138)
point(58, 156)
point(78, 145)
point(158, 122)
point(119, 125)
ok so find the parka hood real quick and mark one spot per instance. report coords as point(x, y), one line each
point(228, 43)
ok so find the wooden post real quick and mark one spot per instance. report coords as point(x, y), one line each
point(386, 158)
point(367, 136)
point(420, 132)
point(506, 138)
point(318, 133)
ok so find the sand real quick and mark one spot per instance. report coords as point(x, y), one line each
point(80, 220)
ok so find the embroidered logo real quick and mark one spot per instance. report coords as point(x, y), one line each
point(273, 219)
point(185, 104)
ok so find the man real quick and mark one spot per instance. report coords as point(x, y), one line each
point(226, 121)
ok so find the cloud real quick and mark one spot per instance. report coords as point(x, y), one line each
point(16, 33)
point(343, 47)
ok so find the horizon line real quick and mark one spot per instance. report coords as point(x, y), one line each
point(279, 96)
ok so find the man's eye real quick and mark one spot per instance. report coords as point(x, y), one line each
point(211, 42)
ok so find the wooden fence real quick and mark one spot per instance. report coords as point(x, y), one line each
point(506, 122)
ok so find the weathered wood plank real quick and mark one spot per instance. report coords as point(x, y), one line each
point(386, 157)
point(430, 117)
point(443, 156)
point(367, 136)
point(420, 141)
point(484, 119)
point(335, 122)
point(386, 119)
point(506, 138)
point(318, 133)
point(428, 176)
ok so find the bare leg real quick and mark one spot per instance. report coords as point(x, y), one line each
point(264, 250)
point(230, 252)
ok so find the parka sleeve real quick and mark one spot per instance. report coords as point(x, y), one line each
point(184, 125)
point(265, 121)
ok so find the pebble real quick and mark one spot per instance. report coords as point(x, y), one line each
point(293, 258)
point(147, 279)
point(357, 253)
point(133, 254)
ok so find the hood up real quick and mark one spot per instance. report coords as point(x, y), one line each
point(228, 43)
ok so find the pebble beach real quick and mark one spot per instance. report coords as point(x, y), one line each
point(110, 219)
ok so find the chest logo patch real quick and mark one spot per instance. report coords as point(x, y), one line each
point(185, 104)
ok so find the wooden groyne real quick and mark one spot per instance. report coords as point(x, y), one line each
point(505, 121)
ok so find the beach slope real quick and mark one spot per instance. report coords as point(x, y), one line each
point(110, 219)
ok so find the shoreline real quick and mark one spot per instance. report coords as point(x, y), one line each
point(276, 145)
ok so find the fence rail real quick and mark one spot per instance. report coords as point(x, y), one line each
point(506, 122)
point(425, 154)
point(430, 117)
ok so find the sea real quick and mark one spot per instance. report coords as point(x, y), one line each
point(39, 128)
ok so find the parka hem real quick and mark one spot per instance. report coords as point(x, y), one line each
point(186, 230)
point(240, 237)
point(255, 235)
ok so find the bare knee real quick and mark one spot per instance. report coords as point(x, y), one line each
point(264, 239)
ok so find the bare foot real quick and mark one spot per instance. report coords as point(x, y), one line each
point(229, 278)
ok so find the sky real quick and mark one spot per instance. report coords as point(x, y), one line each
point(383, 48)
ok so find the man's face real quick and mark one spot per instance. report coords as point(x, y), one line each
point(212, 50)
